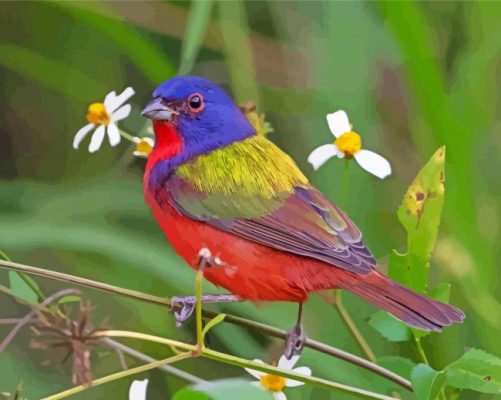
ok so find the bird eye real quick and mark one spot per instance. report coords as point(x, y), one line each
point(196, 102)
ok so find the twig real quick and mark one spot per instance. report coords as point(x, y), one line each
point(266, 329)
point(27, 318)
point(118, 375)
point(143, 357)
point(355, 332)
point(241, 362)
point(9, 321)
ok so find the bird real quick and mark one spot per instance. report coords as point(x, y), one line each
point(224, 193)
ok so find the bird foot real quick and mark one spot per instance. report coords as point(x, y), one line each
point(184, 306)
point(294, 341)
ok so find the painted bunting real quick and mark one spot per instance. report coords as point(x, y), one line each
point(214, 183)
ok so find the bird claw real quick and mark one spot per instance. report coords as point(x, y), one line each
point(205, 259)
point(184, 313)
point(294, 341)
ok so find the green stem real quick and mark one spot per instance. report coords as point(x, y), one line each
point(242, 362)
point(345, 317)
point(346, 183)
point(256, 326)
point(420, 350)
point(118, 375)
point(127, 136)
point(423, 357)
point(339, 306)
point(198, 308)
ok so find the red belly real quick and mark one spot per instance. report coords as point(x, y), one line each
point(254, 272)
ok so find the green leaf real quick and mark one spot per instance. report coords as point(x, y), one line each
point(198, 21)
point(225, 389)
point(476, 370)
point(21, 289)
point(441, 292)
point(213, 322)
point(391, 328)
point(69, 299)
point(426, 382)
point(420, 214)
point(237, 47)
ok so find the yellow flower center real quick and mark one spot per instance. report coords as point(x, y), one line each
point(273, 383)
point(349, 143)
point(97, 114)
point(144, 146)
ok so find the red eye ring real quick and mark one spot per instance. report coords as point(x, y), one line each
point(196, 102)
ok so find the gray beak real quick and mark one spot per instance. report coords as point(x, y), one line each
point(157, 110)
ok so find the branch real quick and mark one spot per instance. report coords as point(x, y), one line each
point(118, 375)
point(263, 328)
point(242, 362)
point(143, 357)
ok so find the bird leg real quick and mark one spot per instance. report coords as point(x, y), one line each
point(294, 341)
point(183, 306)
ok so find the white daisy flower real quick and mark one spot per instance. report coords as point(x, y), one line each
point(103, 118)
point(275, 383)
point(348, 144)
point(137, 390)
point(144, 146)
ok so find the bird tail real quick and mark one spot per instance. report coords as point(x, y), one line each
point(414, 309)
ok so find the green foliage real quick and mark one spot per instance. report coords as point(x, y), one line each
point(212, 323)
point(196, 27)
point(141, 51)
point(225, 389)
point(476, 370)
point(391, 328)
point(21, 289)
point(420, 214)
point(49, 73)
point(426, 382)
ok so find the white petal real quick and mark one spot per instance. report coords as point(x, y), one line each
point(109, 99)
point(97, 139)
point(113, 134)
point(81, 134)
point(137, 390)
point(321, 154)
point(253, 372)
point(279, 396)
point(283, 363)
point(373, 163)
point(300, 370)
point(338, 123)
point(116, 101)
point(121, 113)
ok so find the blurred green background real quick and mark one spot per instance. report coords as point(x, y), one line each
point(412, 77)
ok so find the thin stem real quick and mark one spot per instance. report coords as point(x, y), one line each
point(423, 357)
point(420, 350)
point(146, 358)
point(241, 362)
point(346, 183)
point(198, 308)
point(350, 324)
point(118, 375)
point(27, 318)
point(338, 305)
point(127, 136)
point(257, 326)
point(145, 336)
